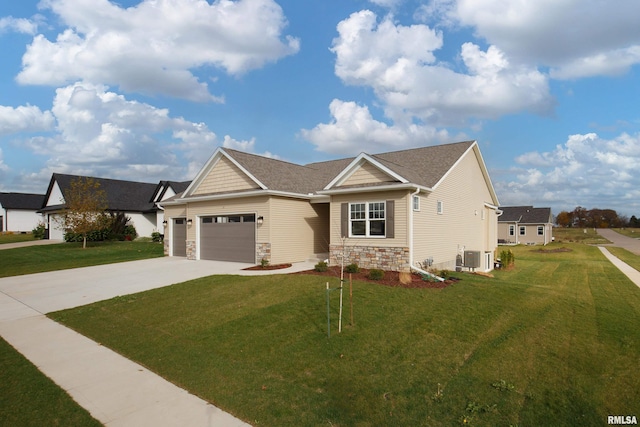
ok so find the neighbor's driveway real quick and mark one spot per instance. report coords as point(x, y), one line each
point(628, 243)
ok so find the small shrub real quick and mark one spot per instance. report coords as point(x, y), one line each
point(130, 232)
point(507, 258)
point(376, 274)
point(38, 232)
point(321, 267)
point(352, 268)
point(264, 263)
point(157, 237)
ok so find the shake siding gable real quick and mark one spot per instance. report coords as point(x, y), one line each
point(225, 177)
point(367, 174)
point(464, 193)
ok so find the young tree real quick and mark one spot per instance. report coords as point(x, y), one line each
point(85, 209)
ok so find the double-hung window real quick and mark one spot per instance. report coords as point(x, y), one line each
point(367, 219)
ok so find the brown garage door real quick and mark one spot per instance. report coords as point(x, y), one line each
point(228, 238)
point(179, 237)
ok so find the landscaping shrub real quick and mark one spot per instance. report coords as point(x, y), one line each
point(375, 274)
point(321, 267)
point(352, 268)
point(38, 232)
point(507, 258)
point(157, 237)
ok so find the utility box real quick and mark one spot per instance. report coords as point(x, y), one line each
point(472, 259)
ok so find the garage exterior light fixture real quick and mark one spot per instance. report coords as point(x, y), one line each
point(260, 220)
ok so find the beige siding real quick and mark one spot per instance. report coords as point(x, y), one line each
point(368, 174)
point(530, 237)
point(401, 199)
point(462, 225)
point(225, 177)
point(298, 229)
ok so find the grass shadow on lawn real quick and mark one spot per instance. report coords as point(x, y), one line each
point(555, 341)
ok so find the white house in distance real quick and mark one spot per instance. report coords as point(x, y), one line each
point(19, 211)
point(137, 200)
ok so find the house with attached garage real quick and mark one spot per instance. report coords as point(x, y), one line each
point(19, 211)
point(525, 225)
point(426, 206)
point(137, 200)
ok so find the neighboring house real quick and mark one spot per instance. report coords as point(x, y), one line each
point(389, 211)
point(525, 225)
point(137, 200)
point(19, 211)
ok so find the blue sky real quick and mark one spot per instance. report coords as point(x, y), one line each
point(146, 90)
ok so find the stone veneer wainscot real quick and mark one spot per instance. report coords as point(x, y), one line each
point(390, 259)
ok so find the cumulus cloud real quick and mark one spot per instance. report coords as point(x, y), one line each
point(574, 38)
point(353, 130)
point(399, 63)
point(26, 118)
point(586, 171)
point(151, 48)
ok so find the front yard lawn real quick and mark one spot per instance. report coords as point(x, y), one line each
point(37, 259)
point(555, 341)
point(15, 237)
point(29, 398)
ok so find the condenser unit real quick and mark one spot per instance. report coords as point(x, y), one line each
point(472, 259)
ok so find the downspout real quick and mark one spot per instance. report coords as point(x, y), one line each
point(411, 266)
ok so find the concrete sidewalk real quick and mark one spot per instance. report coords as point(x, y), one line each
point(115, 390)
point(630, 272)
point(29, 243)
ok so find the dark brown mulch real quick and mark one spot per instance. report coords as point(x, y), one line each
point(268, 267)
point(391, 278)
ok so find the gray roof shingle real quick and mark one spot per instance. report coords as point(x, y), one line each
point(21, 201)
point(525, 215)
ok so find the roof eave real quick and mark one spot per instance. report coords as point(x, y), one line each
point(388, 187)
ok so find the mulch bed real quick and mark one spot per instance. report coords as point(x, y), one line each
point(391, 278)
point(268, 267)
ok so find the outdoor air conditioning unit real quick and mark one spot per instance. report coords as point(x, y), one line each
point(472, 259)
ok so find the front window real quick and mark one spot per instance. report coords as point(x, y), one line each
point(367, 219)
point(523, 230)
point(540, 230)
point(512, 230)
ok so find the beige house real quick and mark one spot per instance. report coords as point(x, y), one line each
point(525, 225)
point(395, 211)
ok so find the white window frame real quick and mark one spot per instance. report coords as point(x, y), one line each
point(440, 207)
point(541, 230)
point(368, 211)
point(512, 230)
point(416, 203)
point(522, 230)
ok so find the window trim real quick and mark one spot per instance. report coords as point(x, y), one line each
point(522, 230)
point(367, 219)
point(415, 203)
point(541, 230)
point(440, 207)
point(512, 230)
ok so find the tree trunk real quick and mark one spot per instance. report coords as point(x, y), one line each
point(84, 241)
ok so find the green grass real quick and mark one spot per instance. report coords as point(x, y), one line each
point(555, 341)
point(588, 236)
point(15, 237)
point(624, 255)
point(37, 259)
point(629, 232)
point(29, 398)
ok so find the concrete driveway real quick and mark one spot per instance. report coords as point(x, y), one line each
point(115, 390)
point(628, 243)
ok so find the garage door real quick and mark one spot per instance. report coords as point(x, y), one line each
point(228, 238)
point(179, 239)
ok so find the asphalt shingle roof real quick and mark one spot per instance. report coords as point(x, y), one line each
point(22, 201)
point(525, 214)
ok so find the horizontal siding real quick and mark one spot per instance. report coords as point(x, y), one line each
point(298, 229)
point(463, 193)
point(401, 199)
point(225, 177)
point(368, 174)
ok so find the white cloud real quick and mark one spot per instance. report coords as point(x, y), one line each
point(353, 130)
point(27, 118)
point(151, 48)
point(19, 25)
point(399, 63)
point(576, 38)
point(585, 171)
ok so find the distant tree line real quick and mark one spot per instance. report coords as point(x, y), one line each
point(595, 218)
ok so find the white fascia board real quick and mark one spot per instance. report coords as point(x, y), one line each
point(253, 193)
point(386, 187)
point(355, 164)
point(213, 160)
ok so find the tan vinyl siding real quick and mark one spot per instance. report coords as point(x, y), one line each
point(461, 226)
point(225, 177)
point(368, 174)
point(179, 211)
point(402, 203)
point(298, 229)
